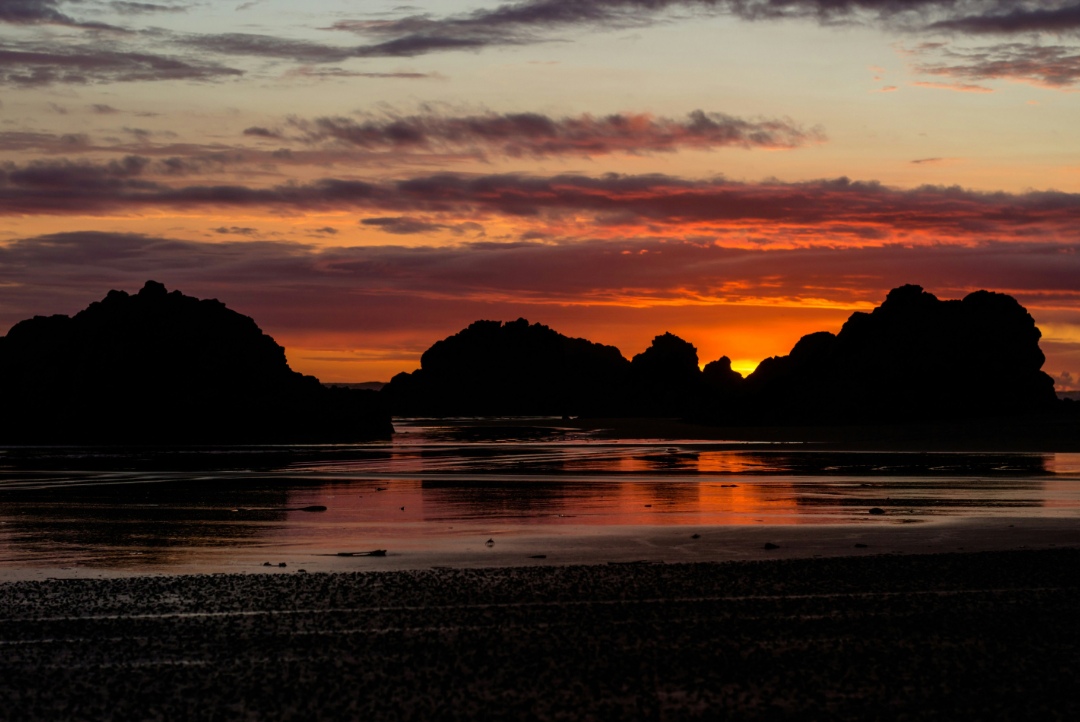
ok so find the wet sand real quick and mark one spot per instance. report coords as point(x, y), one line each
point(985, 635)
point(515, 545)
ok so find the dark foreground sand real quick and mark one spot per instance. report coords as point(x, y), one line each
point(991, 635)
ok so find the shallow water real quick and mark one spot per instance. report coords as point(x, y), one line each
point(435, 485)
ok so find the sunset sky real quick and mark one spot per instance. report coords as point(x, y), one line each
point(366, 177)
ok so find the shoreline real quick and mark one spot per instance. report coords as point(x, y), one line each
point(525, 547)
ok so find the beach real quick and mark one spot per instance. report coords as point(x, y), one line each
point(963, 635)
point(534, 572)
point(539, 545)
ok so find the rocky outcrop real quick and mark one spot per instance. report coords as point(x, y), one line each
point(165, 368)
point(516, 368)
point(666, 379)
point(914, 358)
point(720, 378)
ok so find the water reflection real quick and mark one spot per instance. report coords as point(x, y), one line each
point(154, 508)
point(152, 523)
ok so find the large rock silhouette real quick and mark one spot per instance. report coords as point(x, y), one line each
point(666, 379)
point(914, 358)
point(493, 368)
point(165, 368)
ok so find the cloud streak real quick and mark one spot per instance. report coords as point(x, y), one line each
point(837, 210)
point(28, 65)
point(536, 135)
point(265, 46)
point(510, 24)
point(136, 8)
point(534, 21)
point(310, 72)
point(42, 12)
point(1051, 66)
point(1047, 17)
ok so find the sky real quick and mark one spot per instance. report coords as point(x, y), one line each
point(364, 178)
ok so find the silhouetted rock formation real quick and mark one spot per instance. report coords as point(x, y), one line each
point(914, 358)
point(720, 378)
point(164, 368)
point(666, 379)
point(493, 368)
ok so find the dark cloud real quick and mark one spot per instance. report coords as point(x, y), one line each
point(66, 187)
point(1007, 18)
point(402, 226)
point(143, 135)
point(42, 12)
point(127, 174)
point(196, 165)
point(534, 21)
point(43, 142)
point(65, 174)
point(173, 159)
point(265, 46)
point(320, 73)
point(850, 208)
point(407, 226)
point(35, 66)
point(260, 132)
point(236, 231)
point(538, 135)
point(1054, 66)
point(511, 24)
point(840, 209)
point(103, 109)
point(130, 8)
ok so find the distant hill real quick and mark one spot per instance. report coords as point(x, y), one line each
point(915, 358)
point(165, 368)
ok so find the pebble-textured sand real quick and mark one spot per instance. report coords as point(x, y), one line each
point(952, 637)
